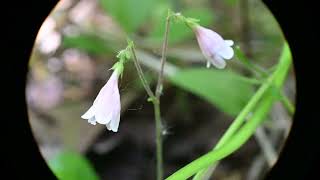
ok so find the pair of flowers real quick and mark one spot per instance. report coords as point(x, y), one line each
point(106, 107)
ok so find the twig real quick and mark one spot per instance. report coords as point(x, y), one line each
point(163, 57)
point(266, 146)
point(141, 75)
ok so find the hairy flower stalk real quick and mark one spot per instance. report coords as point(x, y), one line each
point(106, 108)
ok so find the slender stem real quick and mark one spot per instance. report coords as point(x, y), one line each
point(248, 64)
point(141, 74)
point(287, 103)
point(163, 56)
point(266, 145)
point(157, 116)
point(156, 101)
point(282, 68)
point(240, 119)
point(236, 140)
point(262, 73)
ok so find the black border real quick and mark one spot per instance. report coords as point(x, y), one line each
point(23, 160)
point(299, 158)
point(21, 23)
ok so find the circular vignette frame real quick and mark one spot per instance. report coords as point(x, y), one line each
point(23, 159)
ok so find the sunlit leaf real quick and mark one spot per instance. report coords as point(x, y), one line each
point(72, 166)
point(179, 31)
point(231, 2)
point(224, 89)
point(130, 14)
point(87, 42)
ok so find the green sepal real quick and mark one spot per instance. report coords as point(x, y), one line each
point(118, 67)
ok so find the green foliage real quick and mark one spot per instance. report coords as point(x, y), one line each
point(231, 2)
point(72, 166)
point(236, 135)
point(88, 43)
point(178, 31)
point(224, 89)
point(130, 14)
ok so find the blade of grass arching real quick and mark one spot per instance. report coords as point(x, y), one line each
point(287, 103)
point(278, 77)
point(263, 73)
point(248, 64)
point(229, 147)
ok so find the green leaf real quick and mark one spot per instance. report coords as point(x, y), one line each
point(69, 165)
point(224, 89)
point(178, 30)
point(88, 43)
point(130, 14)
point(231, 2)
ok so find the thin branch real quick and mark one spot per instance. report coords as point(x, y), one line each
point(163, 57)
point(141, 74)
point(266, 145)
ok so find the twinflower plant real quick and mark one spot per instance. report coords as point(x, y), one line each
point(216, 51)
point(106, 108)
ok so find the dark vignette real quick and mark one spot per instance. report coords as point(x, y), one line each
point(23, 160)
point(21, 22)
point(299, 157)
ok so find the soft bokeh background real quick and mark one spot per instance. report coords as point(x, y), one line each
point(76, 46)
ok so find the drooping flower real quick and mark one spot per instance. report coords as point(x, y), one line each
point(106, 107)
point(215, 49)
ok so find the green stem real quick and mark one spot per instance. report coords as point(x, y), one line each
point(156, 105)
point(237, 141)
point(240, 119)
point(157, 116)
point(156, 101)
point(141, 74)
point(277, 78)
point(248, 64)
point(163, 56)
point(262, 73)
point(287, 103)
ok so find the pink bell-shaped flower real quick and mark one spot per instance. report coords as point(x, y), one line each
point(215, 49)
point(106, 107)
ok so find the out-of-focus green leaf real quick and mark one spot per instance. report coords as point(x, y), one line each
point(224, 89)
point(88, 43)
point(72, 166)
point(179, 31)
point(130, 14)
point(231, 2)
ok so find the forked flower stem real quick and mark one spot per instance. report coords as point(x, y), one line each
point(157, 114)
point(156, 102)
point(141, 74)
point(163, 56)
point(155, 97)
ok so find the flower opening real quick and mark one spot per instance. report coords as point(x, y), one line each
point(215, 49)
point(106, 107)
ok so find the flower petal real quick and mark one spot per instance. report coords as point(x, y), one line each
point(102, 118)
point(92, 121)
point(89, 114)
point(229, 42)
point(114, 124)
point(218, 62)
point(226, 52)
point(106, 107)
